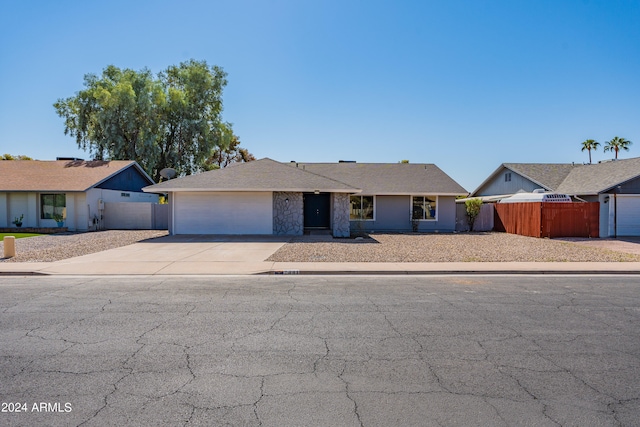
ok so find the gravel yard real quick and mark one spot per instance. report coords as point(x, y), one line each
point(55, 247)
point(462, 247)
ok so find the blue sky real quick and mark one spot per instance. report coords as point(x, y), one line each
point(466, 85)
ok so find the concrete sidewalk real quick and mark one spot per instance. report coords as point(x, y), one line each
point(91, 266)
point(265, 267)
point(210, 255)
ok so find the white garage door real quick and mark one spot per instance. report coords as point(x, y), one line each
point(223, 213)
point(628, 215)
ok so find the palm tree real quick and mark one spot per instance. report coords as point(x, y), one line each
point(590, 144)
point(617, 144)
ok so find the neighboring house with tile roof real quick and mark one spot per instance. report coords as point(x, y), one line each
point(614, 183)
point(75, 189)
point(269, 197)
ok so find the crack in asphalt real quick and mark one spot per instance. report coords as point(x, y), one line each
point(385, 343)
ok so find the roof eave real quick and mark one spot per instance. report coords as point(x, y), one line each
point(151, 189)
point(414, 193)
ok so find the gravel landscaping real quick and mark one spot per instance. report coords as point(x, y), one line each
point(55, 247)
point(462, 247)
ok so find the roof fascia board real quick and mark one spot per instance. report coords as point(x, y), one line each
point(246, 190)
point(418, 193)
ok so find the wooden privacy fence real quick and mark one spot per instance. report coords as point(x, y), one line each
point(548, 219)
point(483, 222)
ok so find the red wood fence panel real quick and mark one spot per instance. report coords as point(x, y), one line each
point(570, 220)
point(518, 218)
point(537, 219)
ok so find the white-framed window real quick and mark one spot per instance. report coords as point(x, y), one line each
point(424, 208)
point(507, 177)
point(53, 204)
point(362, 208)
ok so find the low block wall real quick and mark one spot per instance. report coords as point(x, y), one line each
point(38, 230)
point(135, 216)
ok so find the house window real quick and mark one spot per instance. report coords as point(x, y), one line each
point(424, 207)
point(507, 177)
point(53, 204)
point(361, 208)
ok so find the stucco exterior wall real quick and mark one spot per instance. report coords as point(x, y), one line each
point(393, 214)
point(91, 208)
point(3, 210)
point(288, 216)
point(80, 207)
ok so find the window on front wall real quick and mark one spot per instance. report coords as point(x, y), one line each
point(361, 208)
point(507, 177)
point(423, 207)
point(53, 204)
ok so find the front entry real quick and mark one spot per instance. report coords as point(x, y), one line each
point(316, 210)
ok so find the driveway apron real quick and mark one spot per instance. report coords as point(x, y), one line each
point(192, 254)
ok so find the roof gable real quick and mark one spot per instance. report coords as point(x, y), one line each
point(543, 175)
point(60, 175)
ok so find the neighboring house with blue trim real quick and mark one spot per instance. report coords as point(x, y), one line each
point(75, 189)
point(269, 197)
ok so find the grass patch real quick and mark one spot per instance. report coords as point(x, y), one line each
point(18, 235)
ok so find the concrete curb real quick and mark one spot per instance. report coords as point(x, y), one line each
point(333, 270)
point(448, 272)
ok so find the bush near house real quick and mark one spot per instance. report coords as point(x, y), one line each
point(473, 210)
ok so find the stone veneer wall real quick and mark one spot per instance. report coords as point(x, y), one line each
point(288, 217)
point(340, 215)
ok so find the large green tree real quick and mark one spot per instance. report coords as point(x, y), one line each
point(228, 152)
point(617, 144)
point(590, 144)
point(12, 157)
point(172, 120)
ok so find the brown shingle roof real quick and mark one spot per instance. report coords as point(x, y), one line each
point(57, 175)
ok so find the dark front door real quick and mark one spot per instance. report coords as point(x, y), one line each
point(316, 210)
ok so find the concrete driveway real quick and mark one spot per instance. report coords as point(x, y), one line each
point(192, 254)
point(630, 245)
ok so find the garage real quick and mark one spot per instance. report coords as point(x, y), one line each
point(223, 212)
point(628, 218)
point(257, 197)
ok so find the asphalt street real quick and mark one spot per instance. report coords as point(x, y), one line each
point(320, 351)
